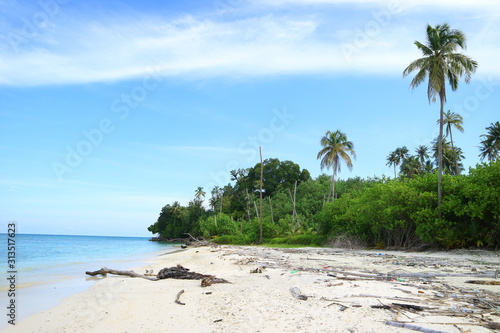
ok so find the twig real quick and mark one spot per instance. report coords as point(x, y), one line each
point(178, 296)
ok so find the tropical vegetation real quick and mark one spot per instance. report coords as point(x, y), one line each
point(278, 202)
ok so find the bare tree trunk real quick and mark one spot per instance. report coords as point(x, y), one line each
point(440, 152)
point(256, 210)
point(271, 209)
point(248, 206)
point(261, 176)
point(333, 187)
point(454, 154)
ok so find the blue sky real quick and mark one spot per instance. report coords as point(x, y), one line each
point(109, 111)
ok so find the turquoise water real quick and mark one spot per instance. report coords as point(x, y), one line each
point(51, 267)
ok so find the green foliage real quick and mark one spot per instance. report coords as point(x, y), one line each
point(403, 213)
point(378, 212)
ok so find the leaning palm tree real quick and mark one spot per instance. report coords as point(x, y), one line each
point(490, 146)
point(392, 161)
point(401, 154)
point(451, 119)
point(199, 194)
point(440, 64)
point(336, 148)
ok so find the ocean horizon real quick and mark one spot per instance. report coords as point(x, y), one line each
point(49, 268)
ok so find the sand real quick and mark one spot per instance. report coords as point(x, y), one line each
point(262, 302)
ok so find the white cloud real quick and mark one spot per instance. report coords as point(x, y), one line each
point(201, 47)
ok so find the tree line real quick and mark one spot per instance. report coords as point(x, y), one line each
point(278, 202)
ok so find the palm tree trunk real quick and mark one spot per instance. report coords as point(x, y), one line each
point(260, 201)
point(333, 187)
point(440, 151)
point(454, 154)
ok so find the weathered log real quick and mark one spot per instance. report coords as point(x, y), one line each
point(490, 283)
point(183, 273)
point(177, 272)
point(413, 327)
point(104, 271)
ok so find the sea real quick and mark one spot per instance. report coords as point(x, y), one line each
point(48, 268)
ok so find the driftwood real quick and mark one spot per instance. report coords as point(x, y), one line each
point(390, 275)
point(183, 273)
point(413, 327)
point(104, 271)
point(177, 272)
point(490, 283)
point(297, 294)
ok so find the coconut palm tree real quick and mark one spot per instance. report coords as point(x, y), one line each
point(450, 120)
point(336, 148)
point(440, 64)
point(411, 166)
point(199, 195)
point(452, 157)
point(391, 161)
point(490, 146)
point(422, 153)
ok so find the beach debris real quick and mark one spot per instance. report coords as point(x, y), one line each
point(207, 282)
point(409, 306)
point(490, 283)
point(180, 272)
point(342, 306)
point(297, 294)
point(413, 327)
point(217, 321)
point(257, 270)
point(178, 297)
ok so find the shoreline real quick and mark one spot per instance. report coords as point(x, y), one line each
point(263, 302)
point(37, 296)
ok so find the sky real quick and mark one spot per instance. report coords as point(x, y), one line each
point(111, 110)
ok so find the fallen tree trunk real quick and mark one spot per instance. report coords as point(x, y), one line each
point(177, 272)
point(104, 271)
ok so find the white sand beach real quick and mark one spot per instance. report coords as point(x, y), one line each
point(263, 302)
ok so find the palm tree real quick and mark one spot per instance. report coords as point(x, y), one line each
point(490, 148)
point(199, 195)
point(391, 161)
point(336, 148)
point(440, 64)
point(422, 153)
point(451, 158)
point(453, 119)
point(411, 166)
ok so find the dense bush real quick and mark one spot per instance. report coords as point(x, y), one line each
point(382, 212)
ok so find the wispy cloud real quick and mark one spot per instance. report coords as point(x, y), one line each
point(188, 46)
